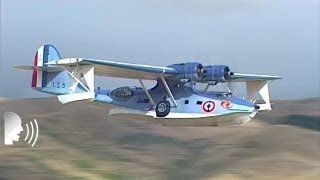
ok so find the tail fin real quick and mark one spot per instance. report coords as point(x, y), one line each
point(44, 54)
point(72, 83)
point(45, 78)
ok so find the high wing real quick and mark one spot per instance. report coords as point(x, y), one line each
point(132, 71)
point(118, 69)
point(241, 77)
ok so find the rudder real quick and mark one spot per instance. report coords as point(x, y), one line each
point(44, 54)
point(56, 82)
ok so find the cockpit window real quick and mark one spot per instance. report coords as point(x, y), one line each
point(223, 95)
point(121, 93)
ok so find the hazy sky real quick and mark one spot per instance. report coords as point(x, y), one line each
point(277, 37)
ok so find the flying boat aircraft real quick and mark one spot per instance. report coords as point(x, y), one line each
point(173, 101)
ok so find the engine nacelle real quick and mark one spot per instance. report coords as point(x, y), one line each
point(217, 73)
point(191, 70)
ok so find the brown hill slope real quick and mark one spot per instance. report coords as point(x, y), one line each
point(81, 141)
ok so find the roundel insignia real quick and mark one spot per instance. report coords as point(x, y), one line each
point(208, 106)
point(226, 104)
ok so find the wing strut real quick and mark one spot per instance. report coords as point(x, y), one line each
point(207, 87)
point(82, 75)
point(169, 91)
point(147, 92)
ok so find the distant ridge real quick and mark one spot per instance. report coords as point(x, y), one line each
point(4, 99)
point(80, 140)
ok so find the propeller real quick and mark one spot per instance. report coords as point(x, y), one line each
point(200, 71)
point(230, 86)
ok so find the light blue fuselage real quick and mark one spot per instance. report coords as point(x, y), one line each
point(188, 100)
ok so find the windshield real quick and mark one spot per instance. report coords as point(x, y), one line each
point(223, 95)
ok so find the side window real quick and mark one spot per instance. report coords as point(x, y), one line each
point(199, 102)
point(121, 93)
point(186, 102)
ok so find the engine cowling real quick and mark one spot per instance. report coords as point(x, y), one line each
point(217, 73)
point(191, 70)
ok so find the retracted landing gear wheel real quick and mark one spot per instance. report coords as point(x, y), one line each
point(162, 108)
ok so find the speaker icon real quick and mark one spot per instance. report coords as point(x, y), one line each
point(32, 132)
point(12, 129)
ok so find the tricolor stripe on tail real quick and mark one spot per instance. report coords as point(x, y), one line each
point(44, 54)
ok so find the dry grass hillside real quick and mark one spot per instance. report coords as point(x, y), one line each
point(80, 141)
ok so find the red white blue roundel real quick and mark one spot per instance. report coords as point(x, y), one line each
point(208, 106)
point(226, 104)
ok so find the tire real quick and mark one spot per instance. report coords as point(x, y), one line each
point(162, 108)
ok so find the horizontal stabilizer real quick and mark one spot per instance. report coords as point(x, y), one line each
point(41, 68)
point(67, 98)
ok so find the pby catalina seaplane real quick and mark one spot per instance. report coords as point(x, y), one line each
point(173, 101)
